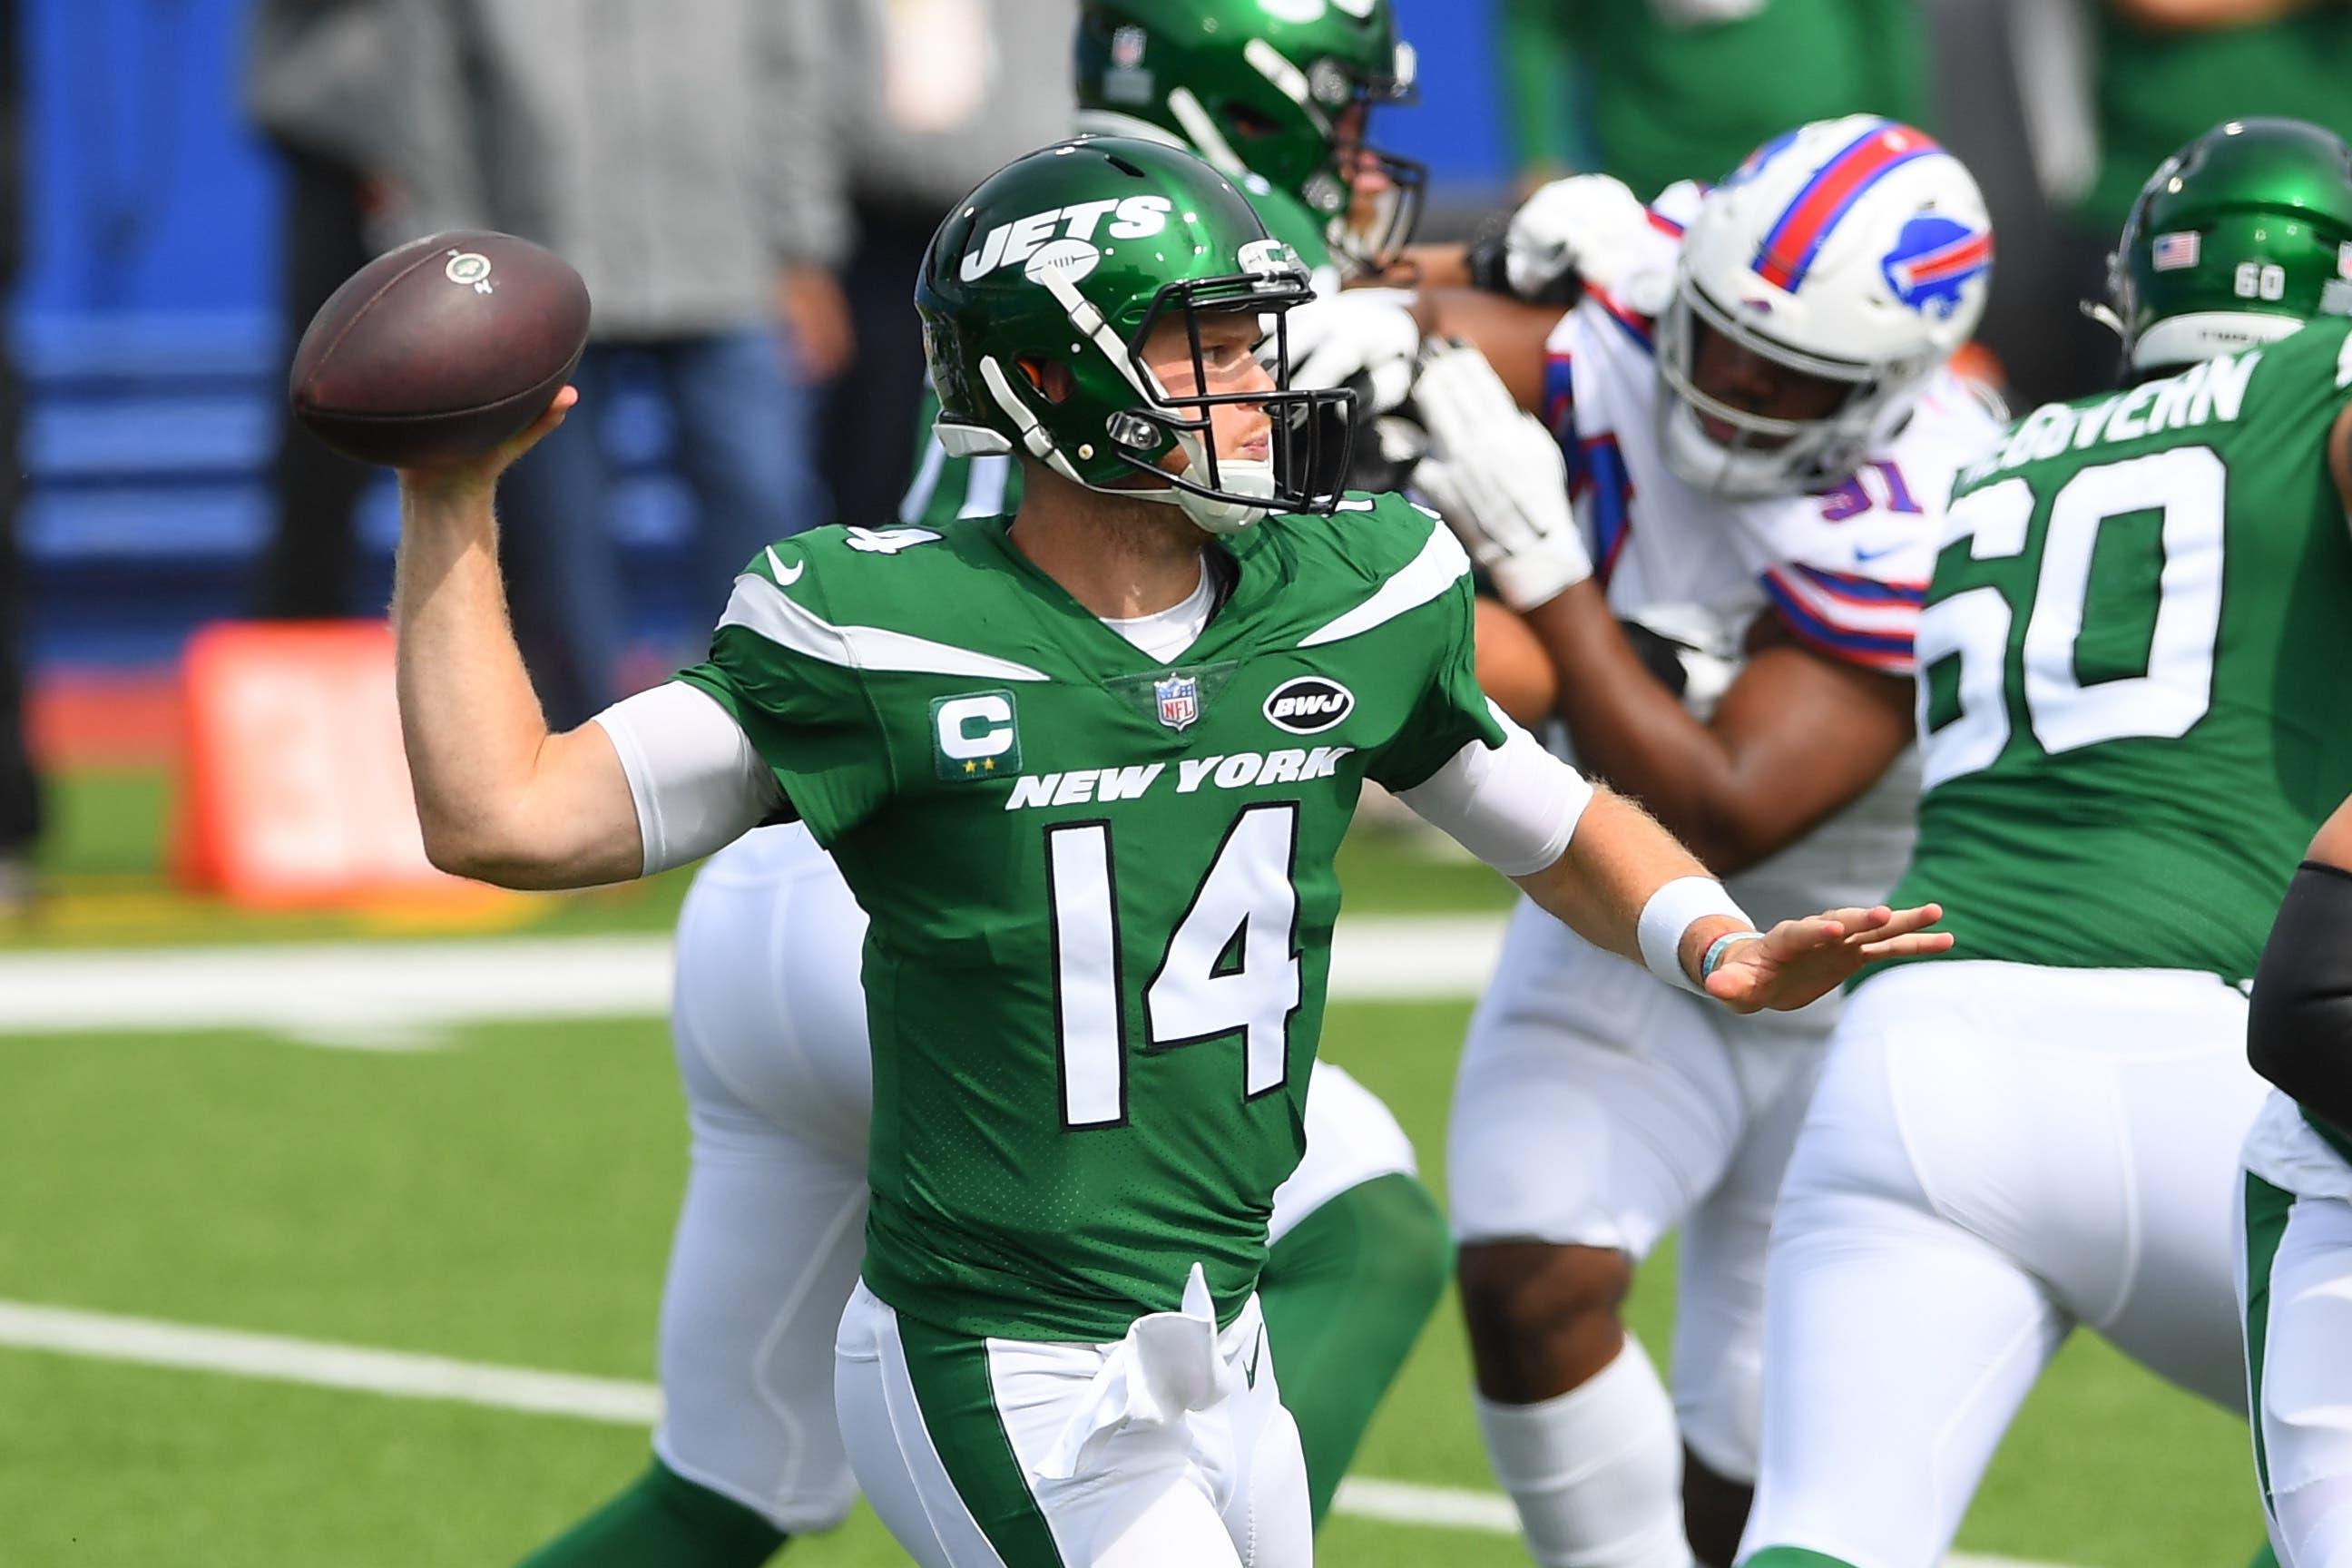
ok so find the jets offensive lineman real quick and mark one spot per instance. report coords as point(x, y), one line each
point(1759, 429)
point(2134, 716)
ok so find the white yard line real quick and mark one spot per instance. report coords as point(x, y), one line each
point(381, 995)
point(189, 1347)
point(402, 1374)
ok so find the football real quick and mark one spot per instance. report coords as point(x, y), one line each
point(440, 350)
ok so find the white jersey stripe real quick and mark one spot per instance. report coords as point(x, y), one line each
point(760, 606)
point(1438, 567)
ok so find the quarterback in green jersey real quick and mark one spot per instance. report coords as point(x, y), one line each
point(1278, 99)
point(1358, 1256)
point(2132, 716)
point(1085, 769)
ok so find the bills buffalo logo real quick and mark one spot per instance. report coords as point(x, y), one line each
point(1180, 700)
point(1934, 260)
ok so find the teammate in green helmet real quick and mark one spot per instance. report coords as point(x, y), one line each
point(1273, 94)
point(2239, 238)
point(2132, 717)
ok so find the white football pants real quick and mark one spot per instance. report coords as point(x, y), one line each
point(769, 1029)
point(2294, 1253)
point(1167, 1449)
point(1597, 1106)
point(1995, 1153)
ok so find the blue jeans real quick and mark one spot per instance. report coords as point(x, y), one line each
point(742, 447)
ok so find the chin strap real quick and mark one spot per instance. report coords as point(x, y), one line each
point(1237, 477)
point(1214, 514)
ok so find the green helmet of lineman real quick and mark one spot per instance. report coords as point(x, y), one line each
point(2239, 238)
point(1070, 257)
point(1276, 91)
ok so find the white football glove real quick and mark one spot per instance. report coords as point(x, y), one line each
point(1590, 225)
point(1496, 476)
point(1367, 332)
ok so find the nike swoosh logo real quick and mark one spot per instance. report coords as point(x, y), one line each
point(1882, 552)
point(785, 579)
point(1256, 1347)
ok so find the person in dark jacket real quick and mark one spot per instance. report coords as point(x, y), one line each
point(316, 88)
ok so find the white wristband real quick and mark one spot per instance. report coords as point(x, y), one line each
point(1670, 912)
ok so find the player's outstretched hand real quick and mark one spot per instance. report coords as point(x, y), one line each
point(480, 476)
point(1798, 961)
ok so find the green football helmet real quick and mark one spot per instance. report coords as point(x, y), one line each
point(2239, 238)
point(1071, 256)
point(1263, 88)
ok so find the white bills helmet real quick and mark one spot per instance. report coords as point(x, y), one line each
point(1854, 252)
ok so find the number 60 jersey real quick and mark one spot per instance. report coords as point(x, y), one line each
point(2136, 668)
point(1100, 885)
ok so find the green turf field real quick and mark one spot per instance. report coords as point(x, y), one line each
point(505, 1197)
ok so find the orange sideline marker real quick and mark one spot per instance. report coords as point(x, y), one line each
point(293, 789)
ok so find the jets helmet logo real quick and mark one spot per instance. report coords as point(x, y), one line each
point(1013, 244)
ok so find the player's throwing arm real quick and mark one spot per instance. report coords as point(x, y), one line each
point(448, 359)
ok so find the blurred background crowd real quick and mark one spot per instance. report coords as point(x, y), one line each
point(747, 186)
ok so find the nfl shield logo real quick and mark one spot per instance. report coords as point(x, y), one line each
point(1180, 700)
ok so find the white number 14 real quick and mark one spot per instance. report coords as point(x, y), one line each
point(1231, 966)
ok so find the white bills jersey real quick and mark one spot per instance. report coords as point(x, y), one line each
point(1844, 570)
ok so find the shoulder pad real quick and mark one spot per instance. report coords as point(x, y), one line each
point(1378, 556)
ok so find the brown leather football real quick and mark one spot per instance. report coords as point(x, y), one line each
point(440, 350)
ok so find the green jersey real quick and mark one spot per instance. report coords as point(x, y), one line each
point(944, 489)
point(2132, 660)
point(1101, 884)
